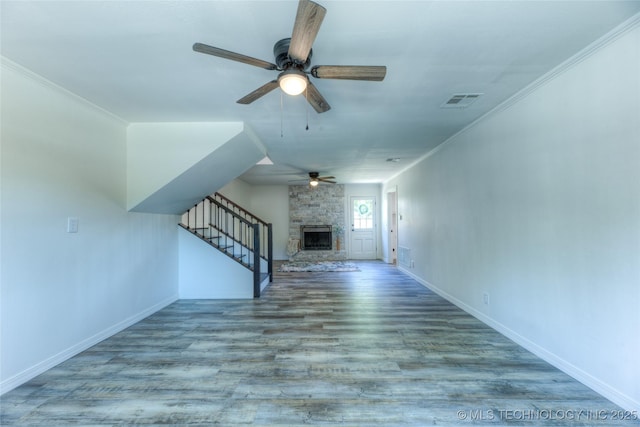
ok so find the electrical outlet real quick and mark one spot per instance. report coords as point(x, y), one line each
point(485, 298)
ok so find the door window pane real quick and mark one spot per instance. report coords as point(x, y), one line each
point(362, 214)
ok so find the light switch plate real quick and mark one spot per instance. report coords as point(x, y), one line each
point(72, 224)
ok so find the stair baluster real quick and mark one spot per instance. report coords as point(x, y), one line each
point(234, 231)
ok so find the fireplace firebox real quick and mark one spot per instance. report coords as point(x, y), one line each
point(316, 237)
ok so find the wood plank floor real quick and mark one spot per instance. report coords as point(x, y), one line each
point(364, 348)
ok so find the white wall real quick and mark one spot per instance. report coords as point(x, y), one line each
point(62, 292)
point(271, 203)
point(237, 191)
point(538, 205)
point(207, 273)
point(187, 160)
point(157, 153)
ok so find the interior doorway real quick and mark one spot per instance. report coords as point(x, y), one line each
point(392, 227)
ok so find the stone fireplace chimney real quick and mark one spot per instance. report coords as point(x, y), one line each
point(316, 210)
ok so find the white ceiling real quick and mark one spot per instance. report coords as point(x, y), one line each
point(135, 59)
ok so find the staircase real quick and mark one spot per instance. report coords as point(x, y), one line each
point(235, 232)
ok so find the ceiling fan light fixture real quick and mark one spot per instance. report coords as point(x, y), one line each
point(293, 82)
point(314, 182)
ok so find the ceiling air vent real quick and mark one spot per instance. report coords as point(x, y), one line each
point(461, 100)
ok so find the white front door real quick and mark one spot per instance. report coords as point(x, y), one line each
point(363, 228)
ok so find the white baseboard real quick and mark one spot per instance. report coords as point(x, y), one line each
point(41, 367)
point(620, 399)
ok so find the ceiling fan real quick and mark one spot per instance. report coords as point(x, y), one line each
point(315, 179)
point(293, 58)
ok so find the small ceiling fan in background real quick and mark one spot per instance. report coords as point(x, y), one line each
point(293, 58)
point(315, 179)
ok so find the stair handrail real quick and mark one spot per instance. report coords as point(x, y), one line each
point(240, 208)
point(267, 251)
point(233, 213)
point(264, 254)
point(247, 242)
point(261, 247)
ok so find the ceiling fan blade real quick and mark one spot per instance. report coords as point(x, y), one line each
point(226, 54)
point(322, 178)
point(316, 100)
point(327, 181)
point(305, 29)
point(261, 91)
point(350, 72)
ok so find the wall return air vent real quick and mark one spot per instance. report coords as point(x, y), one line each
point(461, 100)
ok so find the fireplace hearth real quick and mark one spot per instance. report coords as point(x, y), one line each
point(316, 238)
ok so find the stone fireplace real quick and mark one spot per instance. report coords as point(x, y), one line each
point(313, 215)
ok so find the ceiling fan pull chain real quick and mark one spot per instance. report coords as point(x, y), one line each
point(306, 95)
point(281, 116)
